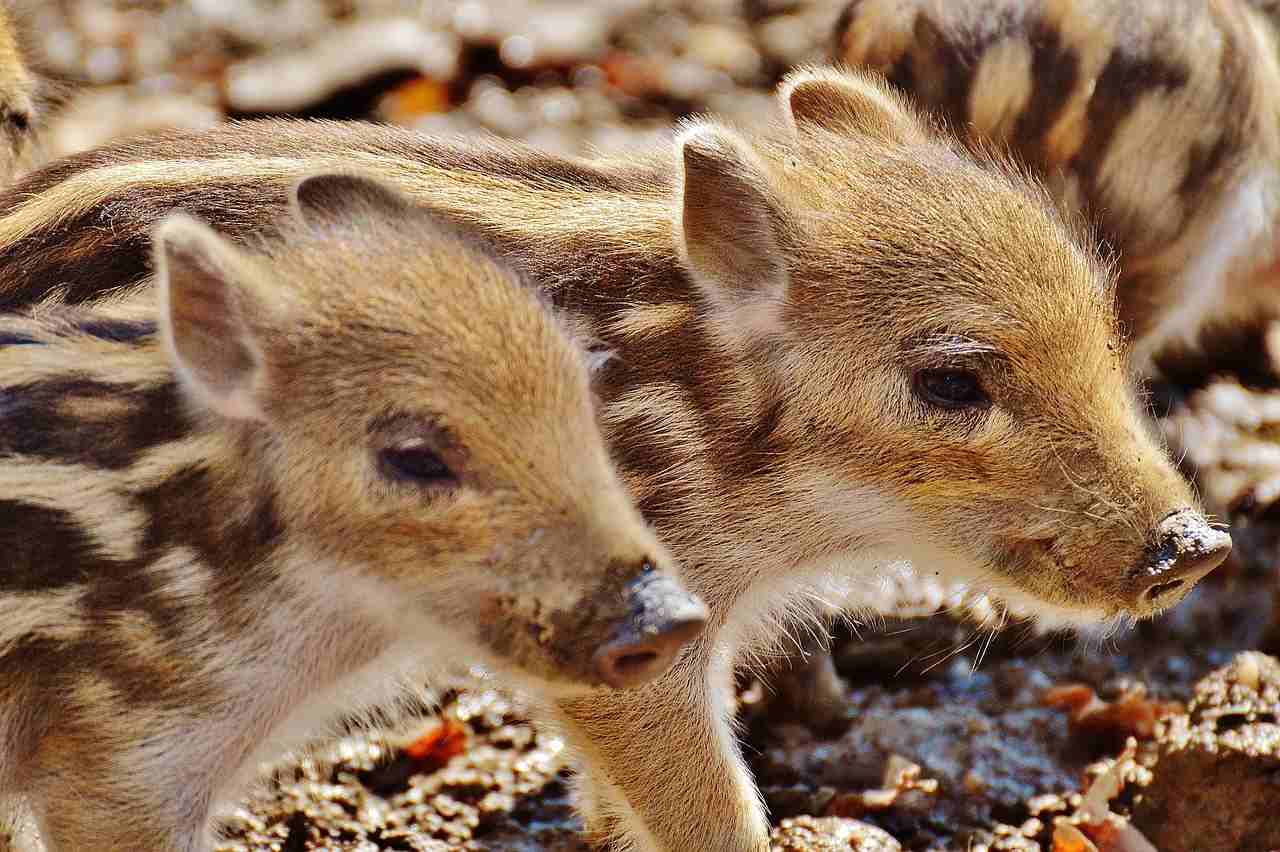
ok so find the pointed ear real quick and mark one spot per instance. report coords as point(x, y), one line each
point(206, 293)
point(729, 232)
point(850, 103)
point(342, 201)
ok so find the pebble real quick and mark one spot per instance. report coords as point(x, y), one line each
point(830, 834)
point(1214, 776)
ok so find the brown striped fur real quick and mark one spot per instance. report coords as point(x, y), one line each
point(771, 305)
point(206, 553)
point(1157, 118)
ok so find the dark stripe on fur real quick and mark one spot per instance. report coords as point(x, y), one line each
point(204, 527)
point(35, 422)
point(1055, 71)
point(15, 339)
point(42, 549)
point(1124, 80)
point(119, 331)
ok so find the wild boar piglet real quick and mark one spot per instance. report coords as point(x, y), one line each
point(268, 493)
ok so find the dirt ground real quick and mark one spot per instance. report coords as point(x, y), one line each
point(954, 738)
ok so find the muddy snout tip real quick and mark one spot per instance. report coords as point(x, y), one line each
point(663, 619)
point(1187, 549)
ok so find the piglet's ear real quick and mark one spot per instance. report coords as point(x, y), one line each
point(730, 229)
point(207, 294)
point(348, 201)
point(849, 103)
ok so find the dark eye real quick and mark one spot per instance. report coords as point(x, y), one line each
point(415, 461)
point(951, 389)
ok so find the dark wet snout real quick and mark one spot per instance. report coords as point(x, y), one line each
point(663, 617)
point(1186, 549)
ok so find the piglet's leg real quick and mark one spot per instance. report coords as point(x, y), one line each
point(662, 772)
point(809, 689)
point(92, 792)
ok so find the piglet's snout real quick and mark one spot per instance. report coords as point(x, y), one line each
point(1185, 550)
point(663, 617)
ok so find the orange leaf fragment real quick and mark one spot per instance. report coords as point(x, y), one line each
point(1075, 697)
point(1102, 834)
point(632, 74)
point(413, 99)
point(1133, 714)
point(1067, 838)
point(439, 744)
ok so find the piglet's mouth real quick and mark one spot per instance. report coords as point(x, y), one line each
point(1028, 590)
point(1184, 548)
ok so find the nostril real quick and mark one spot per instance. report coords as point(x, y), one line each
point(1188, 550)
point(662, 618)
point(627, 663)
point(636, 659)
point(623, 666)
point(1159, 590)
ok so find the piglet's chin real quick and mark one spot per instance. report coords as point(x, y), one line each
point(1050, 617)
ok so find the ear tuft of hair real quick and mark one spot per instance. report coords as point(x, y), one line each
point(851, 103)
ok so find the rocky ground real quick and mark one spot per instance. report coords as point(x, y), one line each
point(954, 738)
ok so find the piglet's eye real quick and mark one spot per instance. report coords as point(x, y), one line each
point(952, 389)
point(416, 462)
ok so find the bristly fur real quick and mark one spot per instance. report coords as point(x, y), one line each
point(206, 557)
point(762, 399)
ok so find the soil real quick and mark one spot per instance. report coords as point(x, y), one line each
point(951, 737)
point(1002, 759)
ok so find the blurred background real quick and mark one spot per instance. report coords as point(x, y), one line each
point(565, 76)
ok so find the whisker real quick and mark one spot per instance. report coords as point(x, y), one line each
point(957, 651)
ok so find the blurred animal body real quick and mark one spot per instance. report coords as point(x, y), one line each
point(835, 344)
point(334, 460)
